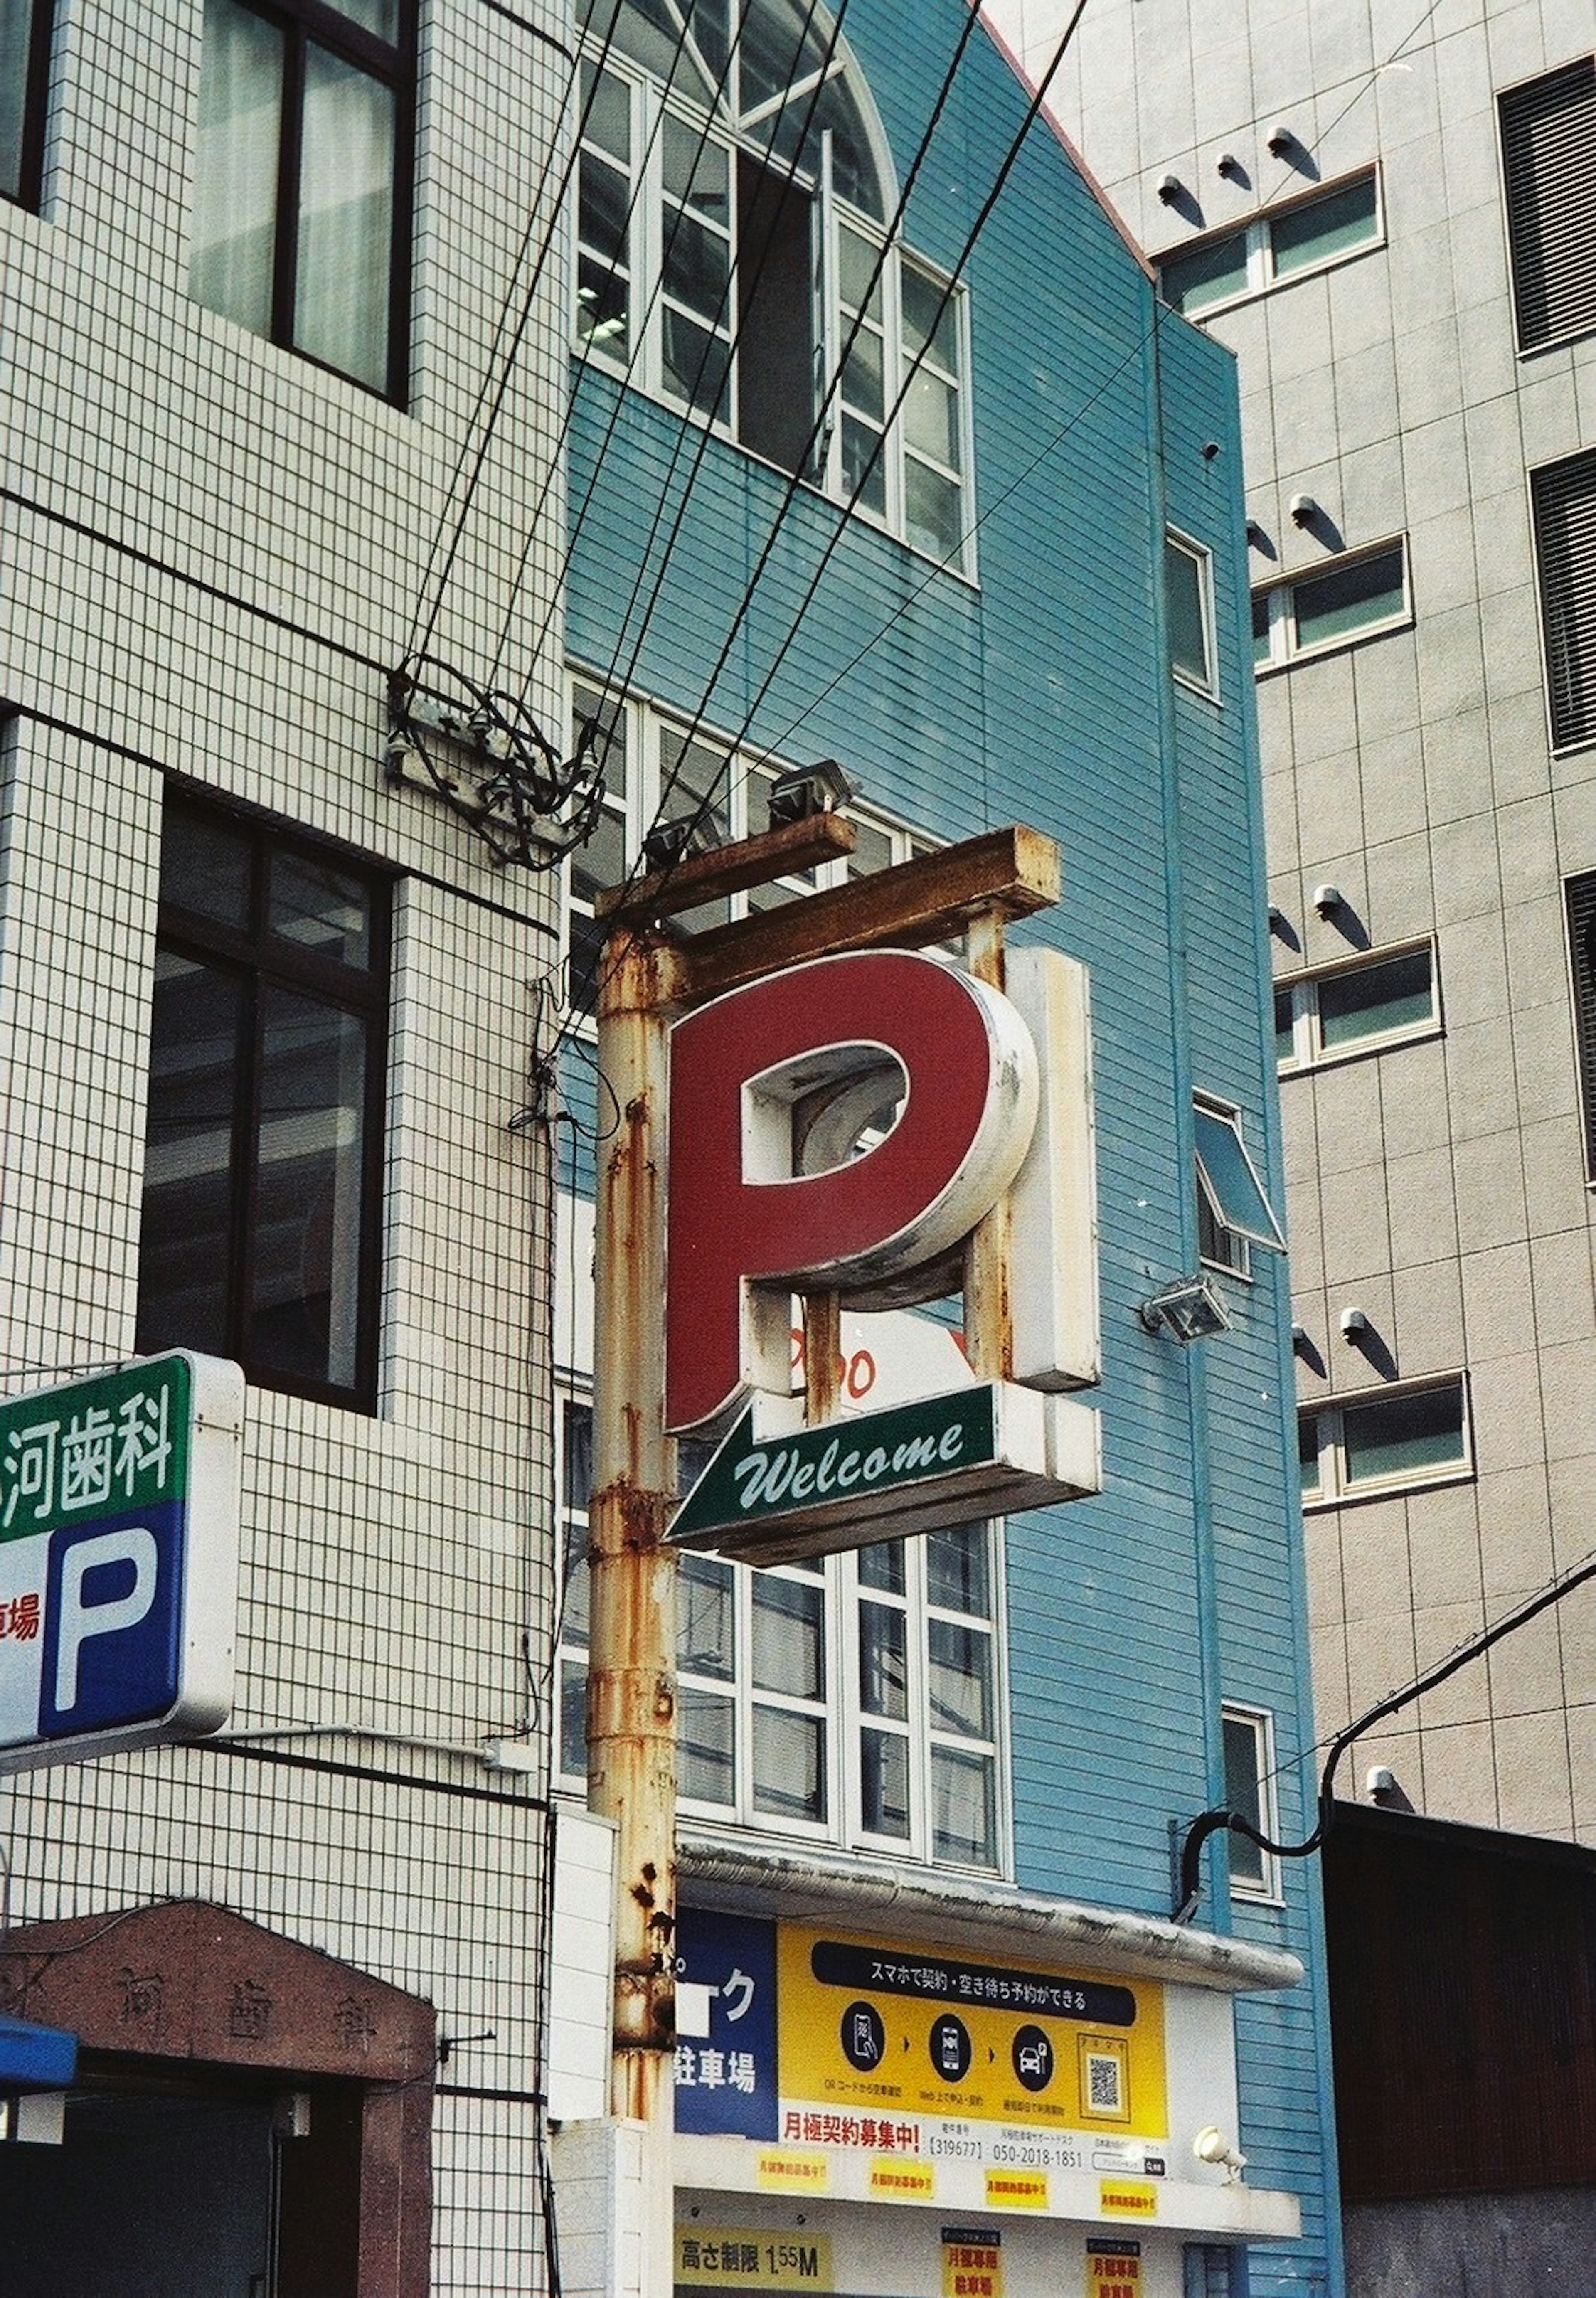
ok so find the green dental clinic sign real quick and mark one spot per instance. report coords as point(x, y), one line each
point(773, 1494)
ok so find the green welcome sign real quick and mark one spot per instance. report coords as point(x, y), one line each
point(775, 1493)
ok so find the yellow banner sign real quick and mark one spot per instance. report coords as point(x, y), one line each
point(884, 2036)
point(751, 2258)
point(1128, 2198)
point(1016, 2190)
point(785, 2172)
point(901, 2181)
point(971, 2268)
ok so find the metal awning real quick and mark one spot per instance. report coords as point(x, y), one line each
point(35, 2058)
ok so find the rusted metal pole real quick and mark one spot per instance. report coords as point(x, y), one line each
point(988, 1328)
point(631, 1669)
point(822, 1356)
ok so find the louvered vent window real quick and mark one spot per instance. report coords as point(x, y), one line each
point(1564, 507)
point(1549, 155)
point(1582, 968)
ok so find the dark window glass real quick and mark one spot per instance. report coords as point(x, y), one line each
point(958, 1570)
point(1322, 228)
point(24, 82)
point(1352, 600)
point(1210, 274)
point(301, 210)
point(1401, 1436)
point(1548, 157)
point(963, 1807)
point(1398, 994)
point(881, 1565)
point(259, 1232)
point(1243, 1794)
point(1285, 1037)
point(709, 1752)
point(1308, 1453)
point(884, 1783)
point(1185, 590)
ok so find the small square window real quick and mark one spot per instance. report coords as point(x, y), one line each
point(1216, 272)
point(1318, 230)
point(1226, 1169)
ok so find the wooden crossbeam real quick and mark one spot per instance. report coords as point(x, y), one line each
point(729, 869)
point(1010, 872)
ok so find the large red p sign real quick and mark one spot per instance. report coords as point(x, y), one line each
point(843, 1124)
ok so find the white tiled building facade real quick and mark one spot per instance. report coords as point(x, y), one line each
point(1389, 210)
point(216, 547)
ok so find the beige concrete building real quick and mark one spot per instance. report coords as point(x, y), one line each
point(1389, 211)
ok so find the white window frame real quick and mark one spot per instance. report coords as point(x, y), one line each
point(843, 1715)
point(1262, 279)
point(1334, 1490)
point(1203, 557)
point(1267, 1890)
point(1238, 1246)
point(1308, 1049)
point(1285, 648)
point(642, 365)
point(645, 723)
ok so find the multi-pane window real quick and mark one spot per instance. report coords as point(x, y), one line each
point(1548, 177)
point(1250, 1791)
point(1356, 1008)
point(300, 202)
point(1391, 1440)
point(653, 773)
point(853, 1700)
point(731, 235)
point(24, 28)
point(1281, 245)
point(1189, 596)
point(259, 1231)
point(1313, 614)
point(1563, 499)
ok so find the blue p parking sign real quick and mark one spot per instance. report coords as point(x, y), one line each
point(119, 1559)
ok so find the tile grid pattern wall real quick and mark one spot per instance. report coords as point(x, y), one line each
point(213, 551)
point(1440, 1188)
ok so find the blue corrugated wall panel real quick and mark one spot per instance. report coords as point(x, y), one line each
point(1043, 694)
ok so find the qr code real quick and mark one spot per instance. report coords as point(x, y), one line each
point(1105, 2084)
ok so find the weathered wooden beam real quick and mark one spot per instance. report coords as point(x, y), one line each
point(729, 868)
point(1009, 873)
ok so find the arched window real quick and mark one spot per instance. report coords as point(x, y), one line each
point(735, 187)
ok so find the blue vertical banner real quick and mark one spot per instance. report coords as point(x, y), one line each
point(726, 1980)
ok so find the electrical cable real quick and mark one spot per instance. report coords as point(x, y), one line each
point(1213, 1822)
point(795, 480)
point(705, 430)
point(819, 428)
point(421, 641)
point(638, 323)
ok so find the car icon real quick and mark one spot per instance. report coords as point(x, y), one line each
point(1033, 2058)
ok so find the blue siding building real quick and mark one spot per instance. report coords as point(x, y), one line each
point(1032, 607)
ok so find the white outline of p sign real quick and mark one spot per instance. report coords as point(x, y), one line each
point(134, 1545)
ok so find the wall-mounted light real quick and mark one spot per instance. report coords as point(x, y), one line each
point(1304, 509)
point(803, 792)
point(1227, 164)
point(1189, 1309)
point(1212, 2146)
point(1327, 900)
point(1170, 189)
point(1354, 1325)
point(672, 841)
point(1280, 139)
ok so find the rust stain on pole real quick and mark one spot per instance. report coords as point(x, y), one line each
point(631, 1678)
point(822, 1356)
